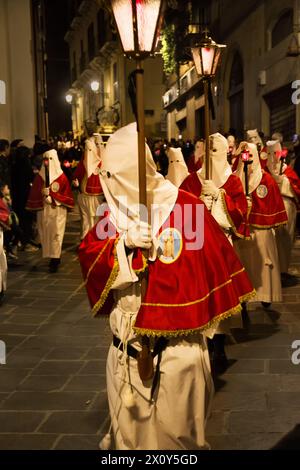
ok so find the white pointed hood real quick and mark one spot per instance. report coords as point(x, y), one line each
point(254, 170)
point(274, 153)
point(231, 143)
point(120, 182)
point(253, 137)
point(220, 170)
point(54, 166)
point(177, 171)
point(93, 153)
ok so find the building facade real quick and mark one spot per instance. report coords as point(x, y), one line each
point(17, 72)
point(254, 85)
point(97, 62)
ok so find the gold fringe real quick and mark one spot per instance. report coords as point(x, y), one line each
point(247, 297)
point(104, 294)
point(95, 261)
point(266, 227)
point(171, 334)
point(144, 267)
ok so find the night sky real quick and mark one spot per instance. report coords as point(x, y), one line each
point(58, 68)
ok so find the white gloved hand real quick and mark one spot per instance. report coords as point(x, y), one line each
point(46, 191)
point(75, 183)
point(139, 236)
point(210, 189)
point(208, 201)
point(48, 200)
point(249, 202)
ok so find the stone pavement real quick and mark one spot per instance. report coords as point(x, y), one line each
point(52, 389)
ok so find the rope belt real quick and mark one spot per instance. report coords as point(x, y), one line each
point(159, 347)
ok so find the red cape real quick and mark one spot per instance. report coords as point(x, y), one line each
point(234, 199)
point(62, 193)
point(89, 185)
point(199, 288)
point(4, 215)
point(294, 181)
point(267, 211)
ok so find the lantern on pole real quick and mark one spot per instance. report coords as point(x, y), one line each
point(206, 56)
point(138, 23)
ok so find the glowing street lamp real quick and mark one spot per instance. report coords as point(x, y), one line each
point(138, 23)
point(95, 86)
point(69, 98)
point(206, 55)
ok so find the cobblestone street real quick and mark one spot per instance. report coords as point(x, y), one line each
point(52, 389)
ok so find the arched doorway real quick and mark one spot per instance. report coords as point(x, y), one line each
point(236, 96)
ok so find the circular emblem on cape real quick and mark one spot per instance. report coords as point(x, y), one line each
point(262, 191)
point(170, 245)
point(55, 187)
point(97, 171)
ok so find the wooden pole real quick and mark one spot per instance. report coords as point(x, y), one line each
point(141, 134)
point(207, 128)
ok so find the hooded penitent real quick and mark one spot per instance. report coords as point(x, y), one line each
point(188, 288)
point(253, 137)
point(232, 198)
point(267, 209)
point(59, 187)
point(177, 171)
point(88, 169)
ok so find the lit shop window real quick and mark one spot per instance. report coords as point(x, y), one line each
point(2, 92)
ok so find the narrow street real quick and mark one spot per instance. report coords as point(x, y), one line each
point(52, 389)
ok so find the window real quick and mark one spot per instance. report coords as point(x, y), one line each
point(91, 42)
point(2, 92)
point(236, 96)
point(283, 28)
point(101, 28)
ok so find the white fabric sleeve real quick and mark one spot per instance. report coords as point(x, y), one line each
point(126, 274)
point(286, 188)
point(219, 213)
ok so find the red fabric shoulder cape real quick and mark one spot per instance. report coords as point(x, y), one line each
point(234, 199)
point(267, 205)
point(4, 215)
point(60, 191)
point(192, 166)
point(91, 185)
point(198, 288)
point(294, 181)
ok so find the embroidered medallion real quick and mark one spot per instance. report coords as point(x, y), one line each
point(262, 191)
point(55, 187)
point(170, 245)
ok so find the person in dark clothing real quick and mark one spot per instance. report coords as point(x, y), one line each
point(4, 162)
point(21, 178)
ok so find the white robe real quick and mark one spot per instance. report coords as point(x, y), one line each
point(260, 258)
point(176, 418)
point(3, 264)
point(88, 206)
point(285, 235)
point(51, 224)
